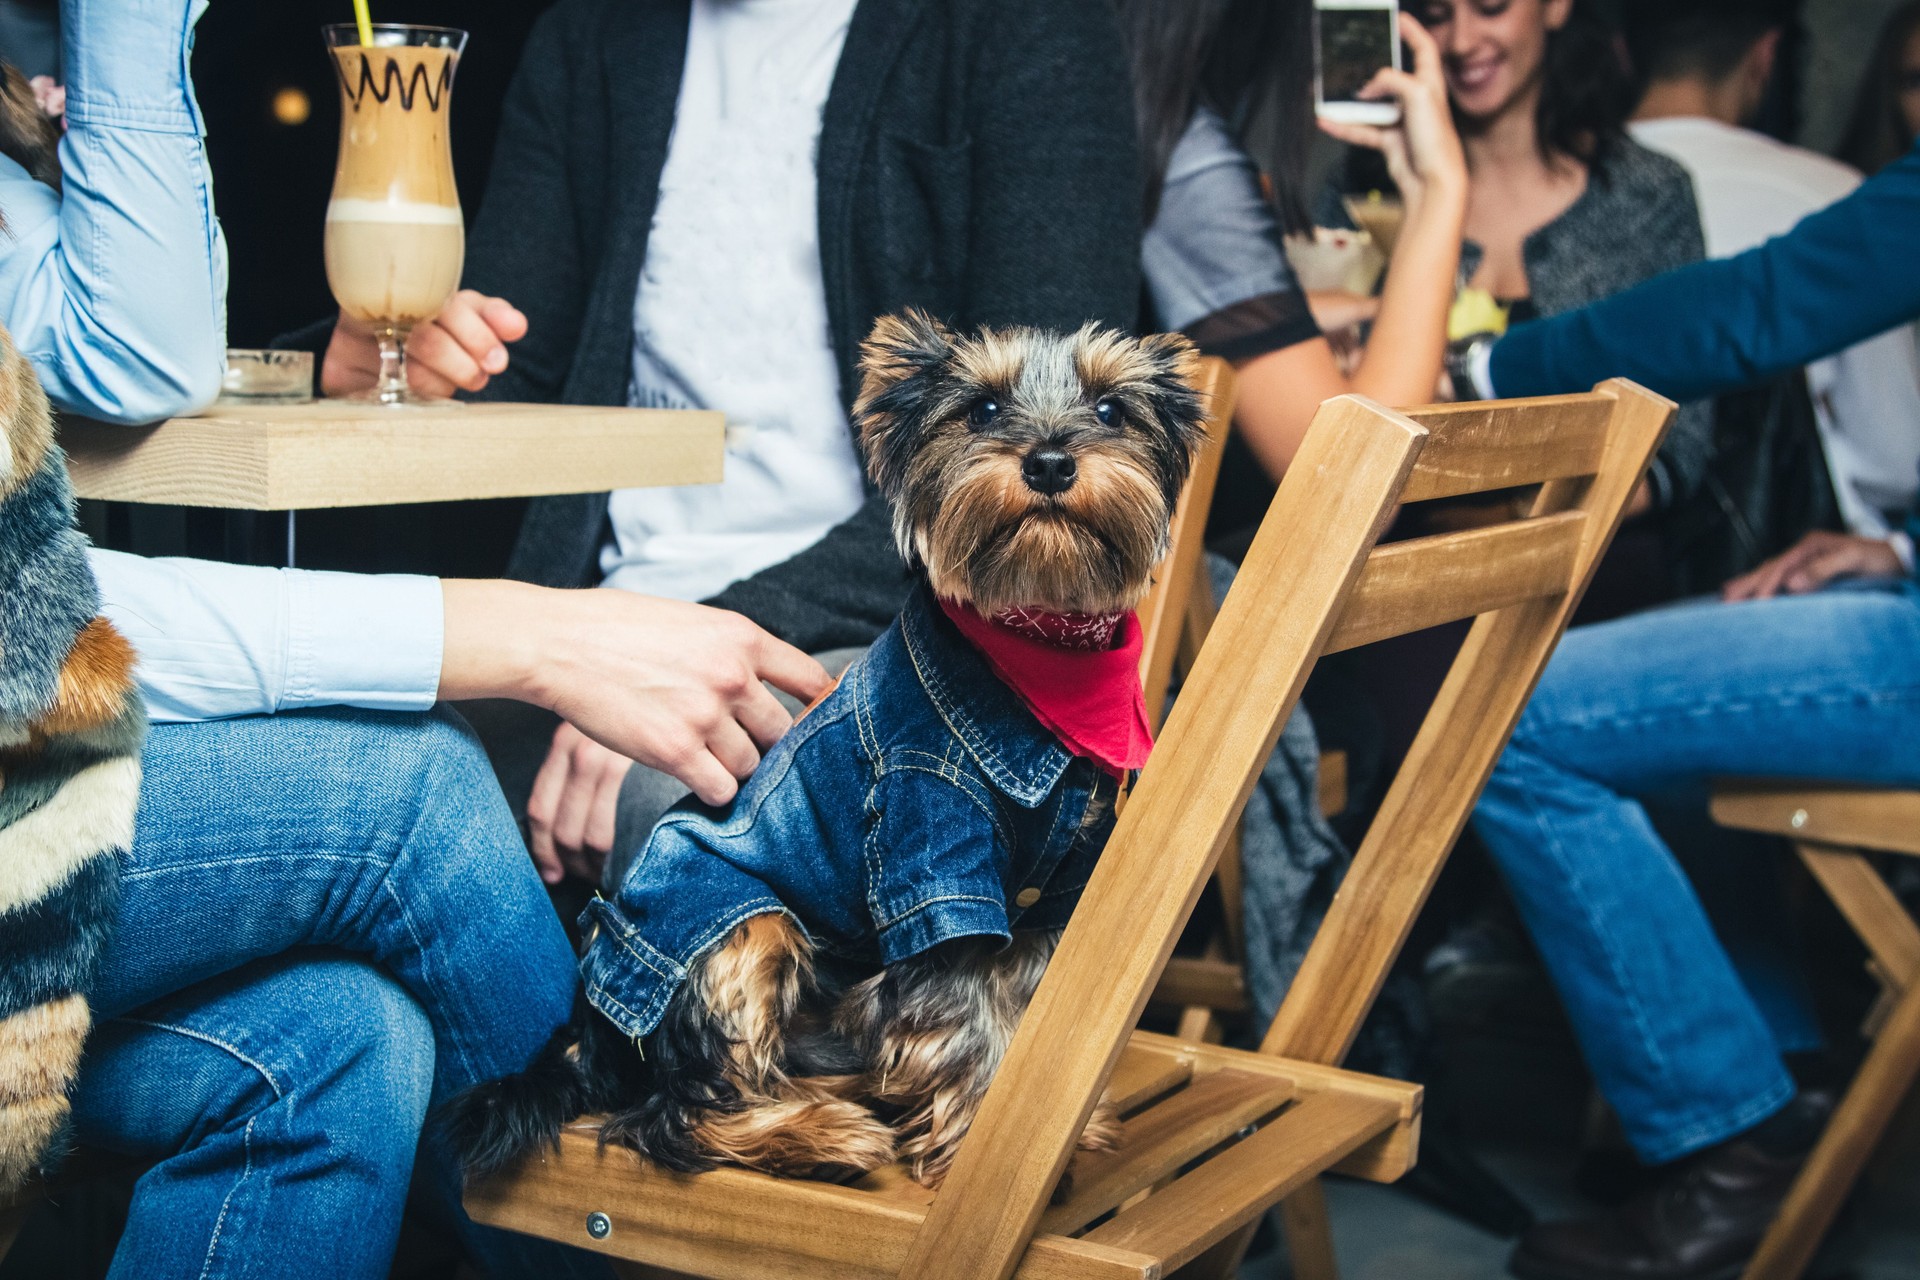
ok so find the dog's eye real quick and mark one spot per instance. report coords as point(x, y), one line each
point(1108, 412)
point(983, 413)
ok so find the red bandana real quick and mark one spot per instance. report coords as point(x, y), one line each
point(1087, 694)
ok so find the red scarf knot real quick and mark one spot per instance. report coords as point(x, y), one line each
point(1078, 673)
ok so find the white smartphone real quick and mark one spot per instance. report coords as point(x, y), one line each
point(1353, 39)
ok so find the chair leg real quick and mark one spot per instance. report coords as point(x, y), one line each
point(1876, 914)
point(1870, 1101)
point(1309, 1233)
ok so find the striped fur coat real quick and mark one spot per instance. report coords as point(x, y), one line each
point(70, 730)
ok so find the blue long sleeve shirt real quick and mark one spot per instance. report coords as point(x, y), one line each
point(114, 288)
point(1841, 275)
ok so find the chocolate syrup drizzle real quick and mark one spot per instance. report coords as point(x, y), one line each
point(416, 81)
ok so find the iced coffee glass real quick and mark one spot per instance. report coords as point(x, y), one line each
point(395, 239)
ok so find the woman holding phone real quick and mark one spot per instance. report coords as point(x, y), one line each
point(1213, 258)
point(1563, 208)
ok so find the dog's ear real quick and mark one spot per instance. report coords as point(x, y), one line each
point(898, 362)
point(1173, 390)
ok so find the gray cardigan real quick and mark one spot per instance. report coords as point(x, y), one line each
point(1636, 219)
point(977, 159)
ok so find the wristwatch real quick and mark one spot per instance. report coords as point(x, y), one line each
point(1465, 362)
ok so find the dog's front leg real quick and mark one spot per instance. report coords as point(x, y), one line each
point(933, 1030)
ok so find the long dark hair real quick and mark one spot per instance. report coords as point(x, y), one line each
point(1587, 90)
point(1877, 135)
point(1249, 60)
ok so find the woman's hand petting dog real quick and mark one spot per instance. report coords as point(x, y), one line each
point(675, 686)
point(1813, 562)
point(458, 350)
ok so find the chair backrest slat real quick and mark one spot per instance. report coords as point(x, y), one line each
point(1423, 582)
point(1298, 581)
point(1503, 444)
point(1462, 736)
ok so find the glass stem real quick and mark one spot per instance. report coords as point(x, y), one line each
point(391, 385)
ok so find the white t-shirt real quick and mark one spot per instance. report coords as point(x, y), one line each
point(731, 312)
point(1866, 399)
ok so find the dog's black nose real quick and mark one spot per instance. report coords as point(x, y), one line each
point(1048, 470)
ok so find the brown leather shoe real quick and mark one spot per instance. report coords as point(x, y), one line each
point(1702, 1222)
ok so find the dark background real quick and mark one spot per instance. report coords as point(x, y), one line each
point(271, 179)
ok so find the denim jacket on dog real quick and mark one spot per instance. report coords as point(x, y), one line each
point(919, 802)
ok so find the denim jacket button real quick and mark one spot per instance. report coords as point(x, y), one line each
point(1026, 898)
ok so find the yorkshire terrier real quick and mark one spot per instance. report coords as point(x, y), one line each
point(822, 976)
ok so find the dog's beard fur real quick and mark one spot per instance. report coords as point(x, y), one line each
point(987, 538)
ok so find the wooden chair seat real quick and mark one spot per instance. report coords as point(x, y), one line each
point(1211, 1135)
point(1827, 812)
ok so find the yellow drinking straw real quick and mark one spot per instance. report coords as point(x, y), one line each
point(364, 22)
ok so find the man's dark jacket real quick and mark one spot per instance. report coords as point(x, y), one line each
point(977, 159)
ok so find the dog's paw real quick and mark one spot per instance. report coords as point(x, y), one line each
point(1103, 1128)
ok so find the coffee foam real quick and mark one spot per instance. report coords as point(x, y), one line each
point(411, 211)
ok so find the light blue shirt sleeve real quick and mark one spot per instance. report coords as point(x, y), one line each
point(115, 287)
point(217, 640)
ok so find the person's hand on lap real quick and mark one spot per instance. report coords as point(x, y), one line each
point(574, 806)
point(675, 686)
point(458, 350)
point(1813, 562)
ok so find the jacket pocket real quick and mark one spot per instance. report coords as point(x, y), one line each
point(925, 204)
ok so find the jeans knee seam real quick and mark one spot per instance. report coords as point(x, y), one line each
point(446, 1023)
point(266, 1073)
point(219, 1223)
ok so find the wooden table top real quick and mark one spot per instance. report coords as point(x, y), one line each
point(336, 453)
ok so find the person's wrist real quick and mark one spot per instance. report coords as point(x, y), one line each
point(505, 639)
point(1442, 192)
point(545, 653)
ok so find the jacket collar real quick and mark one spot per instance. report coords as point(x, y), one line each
point(1021, 756)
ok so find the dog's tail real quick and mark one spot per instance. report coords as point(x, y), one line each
point(492, 1125)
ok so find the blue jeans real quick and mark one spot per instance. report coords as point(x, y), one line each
point(328, 925)
point(1655, 707)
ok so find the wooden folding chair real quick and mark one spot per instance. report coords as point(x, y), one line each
point(1521, 580)
point(1837, 830)
point(1212, 1137)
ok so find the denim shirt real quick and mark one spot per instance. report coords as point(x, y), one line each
point(919, 802)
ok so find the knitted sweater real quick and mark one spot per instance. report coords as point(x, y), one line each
point(70, 731)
